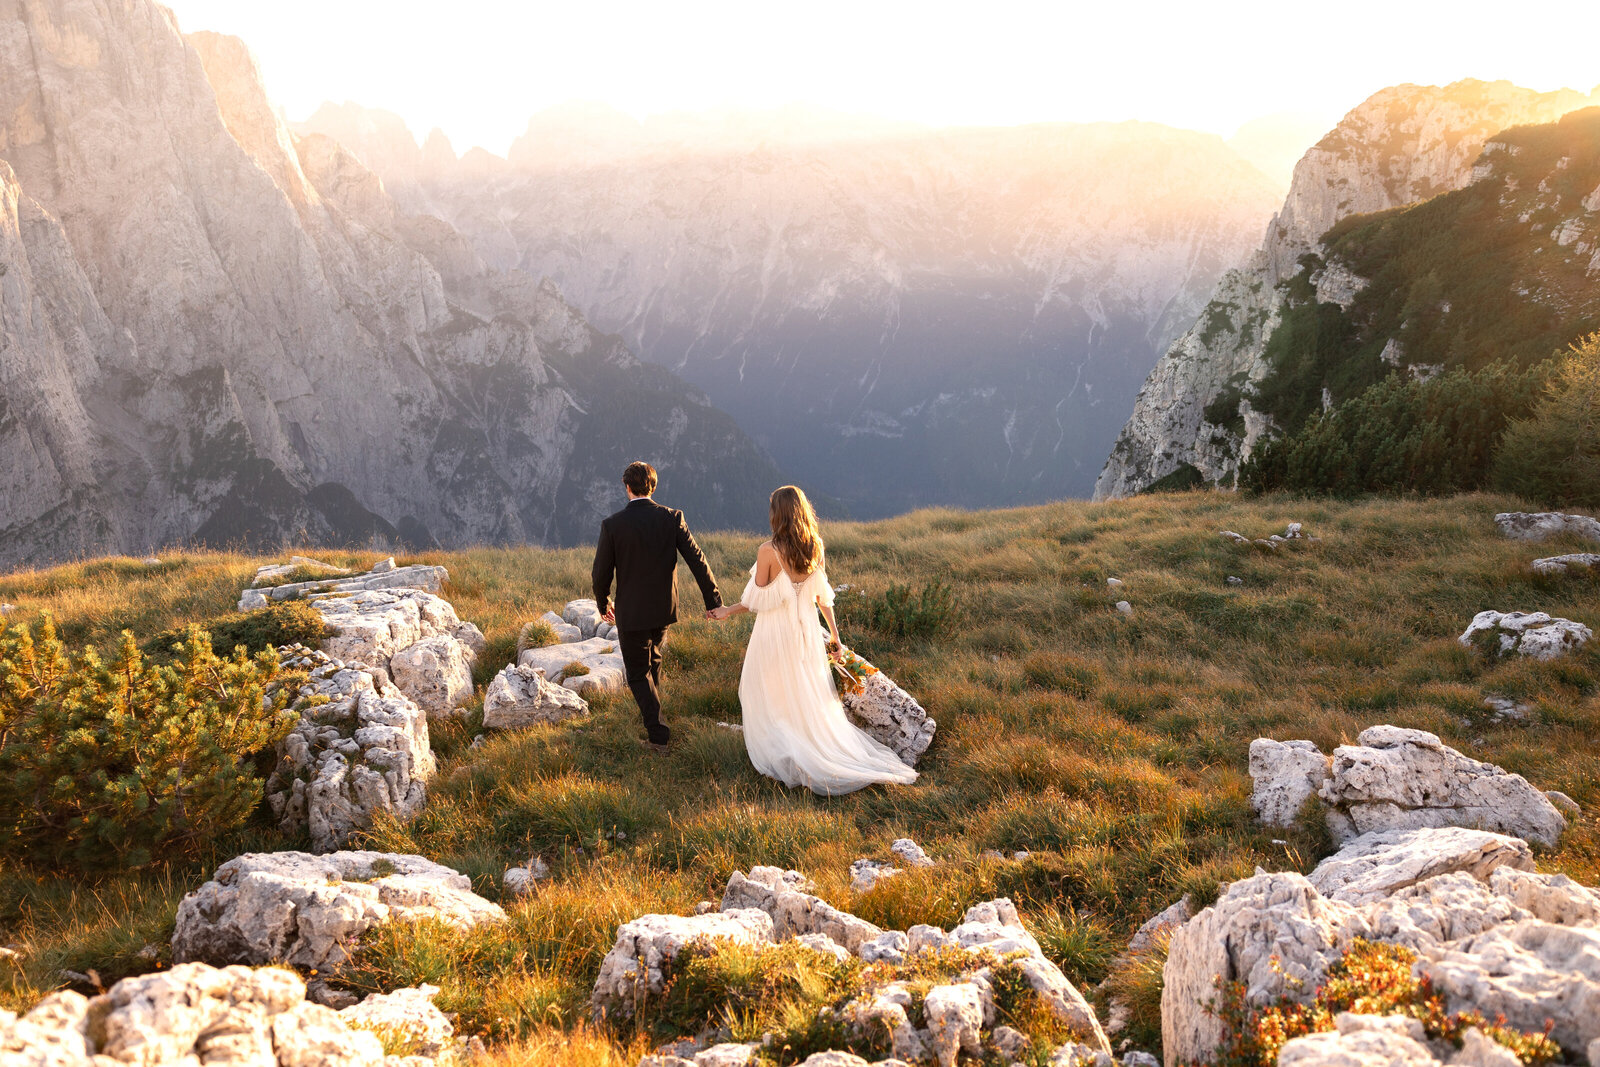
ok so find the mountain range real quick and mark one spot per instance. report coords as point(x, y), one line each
point(900, 316)
point(216, 331)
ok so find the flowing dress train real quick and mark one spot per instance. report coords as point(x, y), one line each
point(795, 728)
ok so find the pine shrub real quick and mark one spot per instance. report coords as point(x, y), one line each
point(1553, 456)
point(118, 763)
point(289, 622)
point(898, 612)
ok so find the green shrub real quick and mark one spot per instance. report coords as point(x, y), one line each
point(897, 612)
point(287, 622)
point(118, 763)
point(536, 634)
point(1553, 456)
point(1370, 979)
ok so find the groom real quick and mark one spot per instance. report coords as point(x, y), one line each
point(641, 544)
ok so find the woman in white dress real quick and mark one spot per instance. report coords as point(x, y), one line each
point(795, 729)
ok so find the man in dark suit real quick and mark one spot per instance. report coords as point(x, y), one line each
point(641, 545)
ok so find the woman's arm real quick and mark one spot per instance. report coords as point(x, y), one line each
point(833, 625)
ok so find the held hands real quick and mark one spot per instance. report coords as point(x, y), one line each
point(610, 616)
point(721, 614)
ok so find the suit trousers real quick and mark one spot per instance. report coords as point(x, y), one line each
point(641, 659)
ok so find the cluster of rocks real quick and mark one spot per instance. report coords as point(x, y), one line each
point(1526, 633)
point(585, 659)
point(361, 748)
point(865, 873)
point(383, 575)
point(771, 906)
point(308, 911)
point(1294, 532)
point(1490, 934)
point(1395, 779)
point(390, 621)
point(226, 1017)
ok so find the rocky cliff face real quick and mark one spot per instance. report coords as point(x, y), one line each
point(214, 330)
point(1403, 145)
point(901, 316)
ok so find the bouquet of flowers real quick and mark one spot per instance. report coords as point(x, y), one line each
point(850, 671)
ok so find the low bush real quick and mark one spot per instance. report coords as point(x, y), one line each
point(1370, 979)
point(118, 763)
point(287, 622)
point(898, 612)
point(1553, 456)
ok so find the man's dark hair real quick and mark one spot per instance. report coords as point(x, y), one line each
point(640, 478)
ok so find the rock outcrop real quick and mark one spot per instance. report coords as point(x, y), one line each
point(385, 575)
point(1402, 145)
point(413, 637)
point(1491, 934)
point(769, 906)
point(194, 1013)
point(1572, 561)
point(1396, 779)
point(1526, 633)
point(361, 748)
point(305, 910)
point(1543, 525)
point(314, 365)
point(594, 664)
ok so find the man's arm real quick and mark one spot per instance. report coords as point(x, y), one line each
point(605, 564)
point(696, 560)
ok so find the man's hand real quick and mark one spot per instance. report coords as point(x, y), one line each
point(610, 616)
point(712, 614)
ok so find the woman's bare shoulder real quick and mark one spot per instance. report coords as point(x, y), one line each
point(767, 550)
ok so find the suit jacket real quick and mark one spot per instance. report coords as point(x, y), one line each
point(641, 545)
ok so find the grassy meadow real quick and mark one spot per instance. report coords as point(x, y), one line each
point(1110, 748)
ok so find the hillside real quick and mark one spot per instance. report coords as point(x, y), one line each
point(1195, 417)
point(216, 332)
point(1111, 749)
point(901, 316)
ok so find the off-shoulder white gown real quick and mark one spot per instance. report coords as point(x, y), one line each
point(795, 729)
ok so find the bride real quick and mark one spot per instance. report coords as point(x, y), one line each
point(794, 726)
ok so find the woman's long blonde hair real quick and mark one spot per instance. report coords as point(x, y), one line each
point(794, 530)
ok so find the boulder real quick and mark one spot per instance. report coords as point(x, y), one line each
point(635, 968)
point(595, 663)
point(436, 672)
point(910, 853)
point(954, 1017)
point(1375, 1047)
point(361, 751)
point(866, 873)
point(1374, 866)
point(190, 1014)
point(1530, 972)
point(371, 627)
point(1534, 634)
point(406, 1015)
point(585, 615)
point(1575, 561)
point(1542, 525)
point(1397, 779)
point(269, 574)
point(304, 910)
point(1285, 773)
point(892, 716)
point(383, 576)
point(1171, 918)
point(520, 881)
point(994, 926)
point(521, 696)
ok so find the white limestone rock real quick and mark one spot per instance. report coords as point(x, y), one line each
point(521, 696)
point(362, 752)
point(372, 627)
point(635, 968)
point(421, 577)
point(405, 1014)
point(1170, 918)
point(887, 1010)
point(954, 1017)
point(436, 672)
point(826, 945)
point(598, 660)
point(1374, 866)
point(566, 633)
point(1543, 525)
point(1573, 561)
point(911, 853)
point(994, 926)
point(54, 1033)
point(268, 574)
point(1397, 779)
point(892, 716)
point(1534, 634)
point(1359, 1048)
point(891, 946)
point(794, 912)
point(867, 873)
point(303, 909)
point(1273, 932)
point(1530, 972)
point(1284, 773)
point(520, 881)
point(585, 615)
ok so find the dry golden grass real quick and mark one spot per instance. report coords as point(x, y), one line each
point(1112, 749)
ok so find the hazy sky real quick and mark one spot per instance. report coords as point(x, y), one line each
point(479, 68)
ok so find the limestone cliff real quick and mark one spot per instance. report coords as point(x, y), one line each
point(216, 331)
point(1193, 416)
